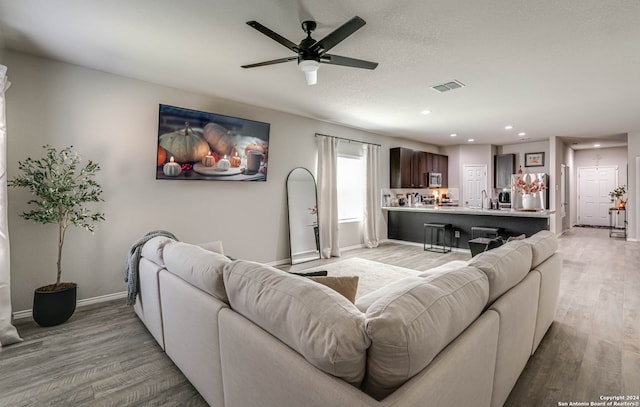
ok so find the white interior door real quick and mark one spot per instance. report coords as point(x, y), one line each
point(474, 180)
point(594, 185)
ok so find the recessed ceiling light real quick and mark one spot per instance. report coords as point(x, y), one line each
point(425, 112)
point(522, 134)
point(509, 127)
point(471, 140)
point(454, 135)
point(596, 145)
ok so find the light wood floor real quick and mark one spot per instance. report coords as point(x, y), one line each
point(103, 356)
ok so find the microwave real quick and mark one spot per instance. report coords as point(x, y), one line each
point(434, 179)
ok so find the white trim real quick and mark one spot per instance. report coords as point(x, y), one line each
point(81, 303)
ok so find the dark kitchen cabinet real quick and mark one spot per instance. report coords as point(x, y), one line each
point(401, 161)
point(409, 168)
point(443, 168)
point(504, 167)
point(419, 170)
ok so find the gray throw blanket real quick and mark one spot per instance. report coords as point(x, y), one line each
point(131, 268)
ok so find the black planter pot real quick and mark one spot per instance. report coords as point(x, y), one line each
point(53, 307)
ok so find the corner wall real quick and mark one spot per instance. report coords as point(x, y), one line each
point(114, 120)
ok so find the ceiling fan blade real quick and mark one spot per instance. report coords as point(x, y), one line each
point(346, 61)
point(274, 36)
point(337, 36)
point(272, 62)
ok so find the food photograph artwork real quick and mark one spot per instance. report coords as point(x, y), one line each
point(206, 146)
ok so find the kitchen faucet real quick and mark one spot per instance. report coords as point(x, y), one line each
point(484, 196)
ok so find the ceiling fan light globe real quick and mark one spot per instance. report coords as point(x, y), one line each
point(311, 77)
point(310, 69)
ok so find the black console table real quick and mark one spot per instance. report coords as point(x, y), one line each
point(614, 230)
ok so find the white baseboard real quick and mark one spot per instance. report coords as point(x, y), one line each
point(81, 303)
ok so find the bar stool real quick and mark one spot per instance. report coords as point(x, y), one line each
point(435, 244)
point(486, 231)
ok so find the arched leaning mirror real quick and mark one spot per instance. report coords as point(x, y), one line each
point(302, 203)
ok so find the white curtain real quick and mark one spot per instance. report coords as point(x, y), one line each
point(8, 333)
point(372, 195)
point(328, 196)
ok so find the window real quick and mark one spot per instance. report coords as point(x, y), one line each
point(350, 188)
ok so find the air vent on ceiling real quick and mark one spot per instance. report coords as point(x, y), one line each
point(445, 87)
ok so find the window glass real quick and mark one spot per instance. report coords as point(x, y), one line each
point(350, 188)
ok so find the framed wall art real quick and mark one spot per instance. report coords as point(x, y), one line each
point(534, 159)
point(195, 145)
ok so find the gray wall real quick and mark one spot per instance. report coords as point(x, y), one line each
point(113, 120)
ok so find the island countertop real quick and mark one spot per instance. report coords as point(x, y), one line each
point(458, 210)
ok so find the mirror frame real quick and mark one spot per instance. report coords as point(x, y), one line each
point(310, 257)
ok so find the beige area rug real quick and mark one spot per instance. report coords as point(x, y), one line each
point(371, 274)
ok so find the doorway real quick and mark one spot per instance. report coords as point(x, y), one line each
point(474, 181)
point(594, 185)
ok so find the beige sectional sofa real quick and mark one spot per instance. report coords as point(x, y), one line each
point(246, 334)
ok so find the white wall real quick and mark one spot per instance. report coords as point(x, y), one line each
point(520, 149)
point(113, 120)
point(616, 156)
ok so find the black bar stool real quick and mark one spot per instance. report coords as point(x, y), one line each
point(435, 244)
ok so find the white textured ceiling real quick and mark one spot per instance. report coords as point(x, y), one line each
point(568, 68)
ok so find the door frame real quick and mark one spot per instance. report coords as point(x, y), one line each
point(565, 197)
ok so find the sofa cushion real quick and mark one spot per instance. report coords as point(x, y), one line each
point(153, 249)
point(505, 266)
point(363, 303)
point(317, 322)
point(347, 286)
point(543, 245)
point(445, 268)
point(415, 319)
point(197, 266)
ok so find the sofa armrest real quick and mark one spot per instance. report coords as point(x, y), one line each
point(549, 271)
point(190, 321)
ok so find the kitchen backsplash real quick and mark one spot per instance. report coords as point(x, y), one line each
point(416, 197)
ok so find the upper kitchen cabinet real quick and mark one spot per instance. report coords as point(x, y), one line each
point(409, 168)
point(504, 167)
point(419, 170)
point(443, 168)
point(401, 161)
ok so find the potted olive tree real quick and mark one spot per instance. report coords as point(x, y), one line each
point(61, 190)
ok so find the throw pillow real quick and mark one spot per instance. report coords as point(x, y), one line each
point(346, 286)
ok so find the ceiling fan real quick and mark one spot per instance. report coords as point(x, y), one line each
point(311, 53)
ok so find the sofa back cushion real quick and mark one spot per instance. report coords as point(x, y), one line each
point(197, 266)
point(505, 266)
point(415, 319)
point(543, 245)
point(314, 320)
point(154, 248)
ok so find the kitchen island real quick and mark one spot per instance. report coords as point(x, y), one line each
point(406, 222)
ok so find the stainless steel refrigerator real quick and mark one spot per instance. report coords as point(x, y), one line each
point(541, 197)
